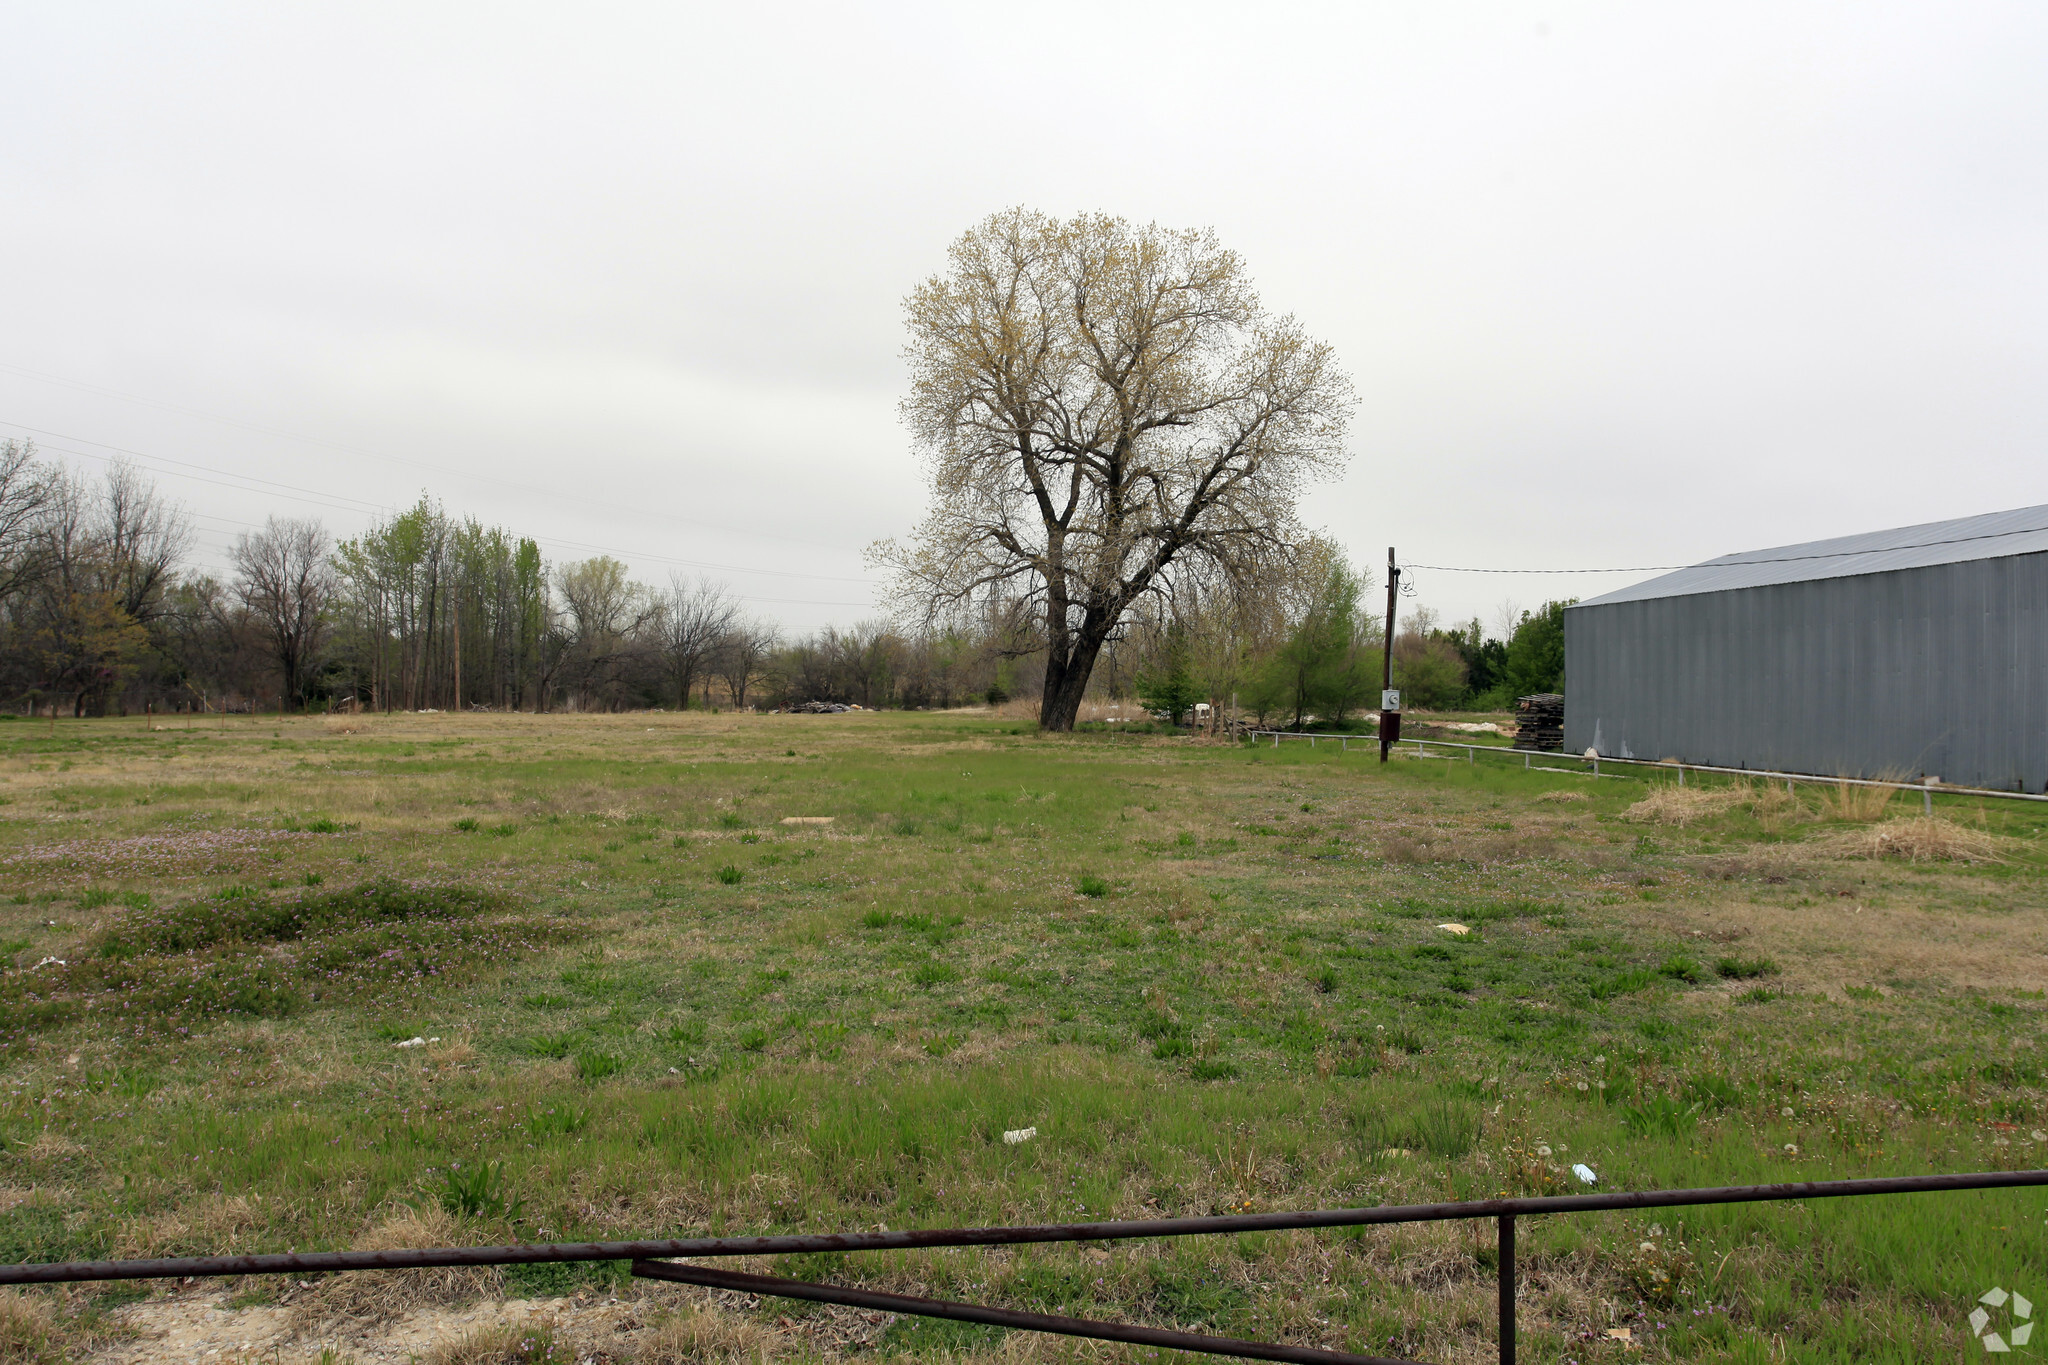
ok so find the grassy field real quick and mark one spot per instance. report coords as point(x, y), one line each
point(1211, 977)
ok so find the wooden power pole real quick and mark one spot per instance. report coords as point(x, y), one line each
point(1390, 700)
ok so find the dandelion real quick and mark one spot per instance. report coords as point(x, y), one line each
point(1791, 1149)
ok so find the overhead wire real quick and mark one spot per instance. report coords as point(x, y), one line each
point(342, 447)
point(249, 483)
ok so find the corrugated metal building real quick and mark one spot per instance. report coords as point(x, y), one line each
point(1917, 652)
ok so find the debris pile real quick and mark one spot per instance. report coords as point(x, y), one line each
point(1539, 722)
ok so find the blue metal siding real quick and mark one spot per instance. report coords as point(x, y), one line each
point(1941, 670)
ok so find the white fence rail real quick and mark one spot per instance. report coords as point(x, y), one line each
point(1927, 789)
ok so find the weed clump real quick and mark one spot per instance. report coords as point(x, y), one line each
point(1924, 838)
point(245, 953)
point(1676, 805)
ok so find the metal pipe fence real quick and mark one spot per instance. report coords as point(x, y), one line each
point(657, 1259)
point(1928, 790)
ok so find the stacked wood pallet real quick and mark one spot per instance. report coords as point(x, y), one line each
point(1539, 722)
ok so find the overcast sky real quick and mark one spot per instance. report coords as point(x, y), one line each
point(1619, 284)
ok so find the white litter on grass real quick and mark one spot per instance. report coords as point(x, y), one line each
point(47, 962)
point(1585, 1174)
point(1017, 1135)
point(412, 1042)
point(808, 819)
point(1459, 929)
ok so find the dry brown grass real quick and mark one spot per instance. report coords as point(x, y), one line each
point(214, 1226)
point(1922, 839)
point(1564, 796)
point(1860, 804)
point(501, 1345)
point(28, 1329)
point(1675, 805)
point(705, 1334)
point(378, 1296)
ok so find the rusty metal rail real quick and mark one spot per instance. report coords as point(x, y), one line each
point(654, 1259)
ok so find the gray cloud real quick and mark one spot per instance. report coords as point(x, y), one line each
point(1619, 284)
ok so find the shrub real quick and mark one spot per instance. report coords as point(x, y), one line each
point(1680, 968)
point(478, 1192)
point(249, 953)
point(1660, 1116)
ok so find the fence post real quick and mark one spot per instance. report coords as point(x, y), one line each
point(1507, 1289)
point(1926, 799)
point(1681, 774)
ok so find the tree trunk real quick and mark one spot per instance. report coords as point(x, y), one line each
point(1066, 680)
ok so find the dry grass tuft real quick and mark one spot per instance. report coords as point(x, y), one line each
point(345, 725)
point(1859, 804)
point(378, 1296)
point(1923, 839)
point(505, 1345)
point(213, 1226)
point(1564, 796)
point(28, 1329)
point(1675, 805)
point(698, 1335)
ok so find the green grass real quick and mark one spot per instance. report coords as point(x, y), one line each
point(1210, 977)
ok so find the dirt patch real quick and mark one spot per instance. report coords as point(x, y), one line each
point(1848, 939)
point(202, 1326)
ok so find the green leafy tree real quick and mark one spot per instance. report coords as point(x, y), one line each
point(1328, 664)
point(1535, 653)
point(1170, 685)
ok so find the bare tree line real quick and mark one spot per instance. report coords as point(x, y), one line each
point(100, 611)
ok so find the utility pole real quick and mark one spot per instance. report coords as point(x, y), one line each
point(1390, 700)
point(455, 615)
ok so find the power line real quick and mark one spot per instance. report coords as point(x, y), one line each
point(553, 494)
point(341, 502)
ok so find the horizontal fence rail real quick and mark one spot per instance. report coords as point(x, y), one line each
point(1927, 790)
point(652, 1259)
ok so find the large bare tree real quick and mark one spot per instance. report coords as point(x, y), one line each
point(1098, 403)
point(284, 579)
point(690, 624)
point(26, 492)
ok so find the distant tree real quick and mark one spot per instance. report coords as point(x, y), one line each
point(690, 624)
point(1485, 661)
point(1535, 654)
point(1428, 671)
point(26, 492)
point(1170, 685)
point(1329, 663)
point(1098, 403)
point(742, 654)
point(602, 611)
point(284, 581)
